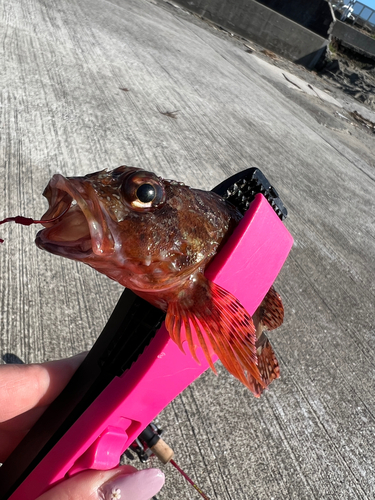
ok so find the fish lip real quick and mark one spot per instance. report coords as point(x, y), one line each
point(61, 250)
point(61, 192)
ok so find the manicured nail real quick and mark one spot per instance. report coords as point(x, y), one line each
point(140, 485)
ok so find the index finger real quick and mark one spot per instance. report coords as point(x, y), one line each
point(23, 387)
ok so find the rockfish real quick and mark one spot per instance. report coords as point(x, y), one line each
point(156, 237)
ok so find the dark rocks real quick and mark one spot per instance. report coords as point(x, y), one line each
point(354, 78)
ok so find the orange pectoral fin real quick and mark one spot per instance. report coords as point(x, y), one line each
point(216, 321)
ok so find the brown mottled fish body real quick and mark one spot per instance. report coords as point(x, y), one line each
point(156, 237)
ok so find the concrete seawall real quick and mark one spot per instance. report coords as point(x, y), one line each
point(352, 38)
point(270, 29)
point(314, 15)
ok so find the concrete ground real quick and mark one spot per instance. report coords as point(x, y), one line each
point(63, 65)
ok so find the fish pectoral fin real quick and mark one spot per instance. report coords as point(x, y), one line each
point(215, 320)
point(271, 310)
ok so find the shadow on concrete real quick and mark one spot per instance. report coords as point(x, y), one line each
point(11, 359)
point(312, 59)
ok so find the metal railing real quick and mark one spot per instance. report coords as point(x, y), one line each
point(359, 14)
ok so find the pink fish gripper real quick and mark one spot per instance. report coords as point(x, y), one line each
point(134, 369)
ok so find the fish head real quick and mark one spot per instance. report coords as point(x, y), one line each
point(145, 232)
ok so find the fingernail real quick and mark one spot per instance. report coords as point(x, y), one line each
point(140, 485)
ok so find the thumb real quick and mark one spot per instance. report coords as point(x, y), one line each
point(124, 482)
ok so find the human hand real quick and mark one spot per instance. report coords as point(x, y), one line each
point(25, 392)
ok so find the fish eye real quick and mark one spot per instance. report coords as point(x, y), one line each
point(144, 191)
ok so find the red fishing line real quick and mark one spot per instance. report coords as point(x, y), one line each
point(27, 221)
point(189, 480)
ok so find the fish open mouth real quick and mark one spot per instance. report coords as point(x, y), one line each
point(67, 221)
